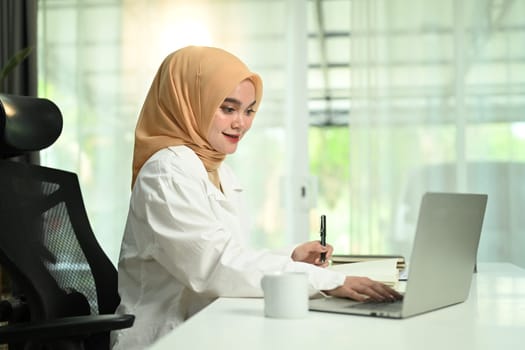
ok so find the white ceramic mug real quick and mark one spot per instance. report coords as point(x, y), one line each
point(285, 294)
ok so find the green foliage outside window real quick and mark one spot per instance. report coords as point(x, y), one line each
point(329, 156)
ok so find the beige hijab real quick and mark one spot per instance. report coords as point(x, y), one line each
point(189, 86)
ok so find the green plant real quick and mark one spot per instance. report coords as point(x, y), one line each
point(14, 61)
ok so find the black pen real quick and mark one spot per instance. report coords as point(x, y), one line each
point(323, 236)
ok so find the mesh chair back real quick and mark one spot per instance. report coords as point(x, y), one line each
point(48, 247)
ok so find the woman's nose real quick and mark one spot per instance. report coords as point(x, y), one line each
point(238, 122)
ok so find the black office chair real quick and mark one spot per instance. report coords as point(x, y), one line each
point(64, 286)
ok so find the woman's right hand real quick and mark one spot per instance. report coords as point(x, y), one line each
point(363, 288)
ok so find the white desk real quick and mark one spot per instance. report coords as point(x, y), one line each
point(493, 317)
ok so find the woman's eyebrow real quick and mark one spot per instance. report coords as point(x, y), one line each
point(232, 100)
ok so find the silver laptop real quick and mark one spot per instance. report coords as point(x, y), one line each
point(442, 261)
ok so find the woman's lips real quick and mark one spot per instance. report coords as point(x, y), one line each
point(232, 138)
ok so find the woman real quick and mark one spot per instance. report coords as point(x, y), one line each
point(184, 244)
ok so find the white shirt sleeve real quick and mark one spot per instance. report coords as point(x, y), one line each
point(192, 232)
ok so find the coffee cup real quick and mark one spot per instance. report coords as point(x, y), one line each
point(285, 294)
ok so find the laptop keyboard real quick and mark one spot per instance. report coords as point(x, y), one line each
point(374, 305)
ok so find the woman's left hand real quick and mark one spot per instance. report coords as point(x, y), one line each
point(310, 252)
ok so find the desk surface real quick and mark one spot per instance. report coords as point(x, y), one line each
point(493, 317)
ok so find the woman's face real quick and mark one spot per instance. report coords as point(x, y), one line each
point(233, 118)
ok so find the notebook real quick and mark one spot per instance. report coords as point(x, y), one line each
point(442, 261)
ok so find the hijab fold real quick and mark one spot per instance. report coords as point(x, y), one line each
point(189, 86)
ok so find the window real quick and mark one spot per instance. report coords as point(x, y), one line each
point(398, 102)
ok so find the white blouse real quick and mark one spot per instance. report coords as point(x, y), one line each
point(184, 246)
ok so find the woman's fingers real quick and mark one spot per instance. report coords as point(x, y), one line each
point(362, 288)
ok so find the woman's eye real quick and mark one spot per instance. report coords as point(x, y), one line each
point(227, 109)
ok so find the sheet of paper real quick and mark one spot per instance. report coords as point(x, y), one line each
point(383, 270)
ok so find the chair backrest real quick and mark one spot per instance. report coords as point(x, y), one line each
point(47, 244)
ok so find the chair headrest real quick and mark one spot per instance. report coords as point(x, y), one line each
point(27, 124)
